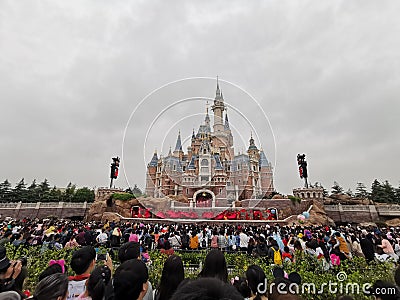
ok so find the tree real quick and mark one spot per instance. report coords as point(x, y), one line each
point(361, 190)
point(349, 193)
point(55, 195)
point(33, 192)
point(69, 192)
point(389, 193)
point(336, 188)
point(397, 195)
point(44, 189)
point(19, 192)
point(377, 193)
point(5, 191)
point(83, 194)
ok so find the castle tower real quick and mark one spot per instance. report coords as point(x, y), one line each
point(266, 179)
point(151, 175)
point(218, 109)
point(178, 147)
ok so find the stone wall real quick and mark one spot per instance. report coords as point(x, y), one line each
point(43, 210)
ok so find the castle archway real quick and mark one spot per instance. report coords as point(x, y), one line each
point(204, 198)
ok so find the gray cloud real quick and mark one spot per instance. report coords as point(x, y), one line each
point(326, 74)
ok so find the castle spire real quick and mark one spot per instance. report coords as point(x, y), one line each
point(218, 91)
point(252, 145)
point(193, 135)
point(207, 120)
point(263, 160)
point(178, 146)
point(154, 160)
point(226, 126)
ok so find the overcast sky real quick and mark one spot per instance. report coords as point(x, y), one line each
point(326, 74)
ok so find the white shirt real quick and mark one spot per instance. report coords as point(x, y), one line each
point(244, 240)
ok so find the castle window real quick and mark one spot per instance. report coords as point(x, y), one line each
point(254, 168)
point(220, 190)
point(187, 191)
point(204, 162)
point(228, 183)
point(204, 169)
point(174, 167)
point(238, 167)
point(205, 151)
point(184, 168)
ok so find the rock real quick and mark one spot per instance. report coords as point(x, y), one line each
point(179, 198)
point(110, 216)
point(393, 222)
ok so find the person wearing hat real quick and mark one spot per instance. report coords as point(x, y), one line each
point(9, 271)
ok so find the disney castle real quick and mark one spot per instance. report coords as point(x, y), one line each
point(210, 174)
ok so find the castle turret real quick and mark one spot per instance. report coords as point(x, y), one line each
point(178, 147)
point(218, 109)
point(151, 175)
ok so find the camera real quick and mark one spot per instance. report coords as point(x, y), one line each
point(24, 261)
point(101, 256)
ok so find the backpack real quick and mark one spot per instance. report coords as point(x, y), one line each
point(185, 241)
point(277, 256)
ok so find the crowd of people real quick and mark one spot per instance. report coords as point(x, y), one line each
point(132, 241)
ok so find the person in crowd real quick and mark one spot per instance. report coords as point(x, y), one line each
point(82, 263)
point(286, 255)
point(214, 240)
point(129, 251)
point(356, 247)
point(240, 283)
point(257, 282)
point(172, 275)
point(175, 240)
point(72, 243)
point(52, 287)
point(194, 241)
point(206, 288)
point(55, 266)
point(98, 286)
point(367, 246)
point(102, 238)
point(340, 243)
point(244, 241)
point(5, 238)
point(9, 273)
point(215, 266)
point(131, 280)
point(387, 247)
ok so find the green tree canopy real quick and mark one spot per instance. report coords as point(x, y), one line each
point(336, 188)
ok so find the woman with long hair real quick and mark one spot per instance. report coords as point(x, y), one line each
point(215, 266)
point(52, 287)
point(97, 284)
point(257, 282)
point(172, 275)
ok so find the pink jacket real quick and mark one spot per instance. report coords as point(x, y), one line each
point(387, 246)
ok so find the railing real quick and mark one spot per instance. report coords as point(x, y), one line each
point(8, 205)
point(14, 205)
point(394, 207)
point(28, 205)
point(346, 208)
